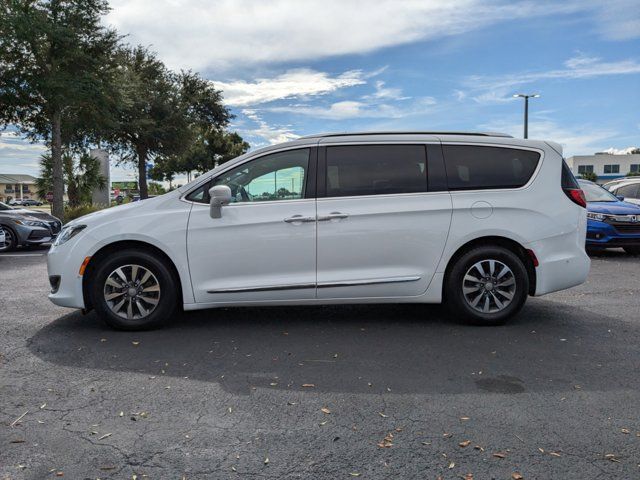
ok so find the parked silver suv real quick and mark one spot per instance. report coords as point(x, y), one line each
point(26, 227)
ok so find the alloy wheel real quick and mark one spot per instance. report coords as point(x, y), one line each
point(8, 240)
point(489, 286)
point(132, 292)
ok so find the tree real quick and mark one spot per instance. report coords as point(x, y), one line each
point(82, 176)
point(156, 189)
point(151, 122)
point(205, 143)
point(56, 74)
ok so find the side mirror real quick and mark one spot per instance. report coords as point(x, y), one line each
point(620, 197)
point(220, 195)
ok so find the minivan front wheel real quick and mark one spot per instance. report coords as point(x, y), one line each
point(133, 290)
point(487, 285)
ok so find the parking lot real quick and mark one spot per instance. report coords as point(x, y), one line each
point(394, 391)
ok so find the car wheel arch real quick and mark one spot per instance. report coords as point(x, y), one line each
point(499, 241)
point(105, 250)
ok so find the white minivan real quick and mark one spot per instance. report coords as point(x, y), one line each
point(477, 220)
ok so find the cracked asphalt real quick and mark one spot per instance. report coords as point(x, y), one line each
point(239, 393)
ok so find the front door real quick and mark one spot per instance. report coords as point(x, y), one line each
point(381, 232)
point(264, 246)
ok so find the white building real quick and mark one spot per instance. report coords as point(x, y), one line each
point(605, 165)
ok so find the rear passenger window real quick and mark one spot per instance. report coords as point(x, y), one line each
point(471, 167)
point(628, 191)
point(376, 170)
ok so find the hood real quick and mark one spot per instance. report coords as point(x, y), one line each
point(123, 210)
point(23, 212)
point(102, 215)
point(613, 208)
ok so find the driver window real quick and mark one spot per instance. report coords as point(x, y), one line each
point(279, 176)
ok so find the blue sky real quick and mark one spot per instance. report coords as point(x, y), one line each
point(289, 68)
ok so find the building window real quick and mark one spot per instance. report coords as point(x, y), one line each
point(582, 169)
point(612, 169)
point(634, 168)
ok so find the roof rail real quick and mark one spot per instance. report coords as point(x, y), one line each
point(412, 132)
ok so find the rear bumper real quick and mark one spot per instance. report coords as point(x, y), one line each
point(563, 262)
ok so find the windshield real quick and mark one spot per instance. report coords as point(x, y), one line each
point(4, 206)
point(595, 193)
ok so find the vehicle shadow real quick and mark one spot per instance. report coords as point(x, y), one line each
point(358, 349)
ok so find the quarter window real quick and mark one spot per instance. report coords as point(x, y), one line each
point(471, 167)
point(585, 169)
point(354, 170)
point(612, 169)
point(279, 176)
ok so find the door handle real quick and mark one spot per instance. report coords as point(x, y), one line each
point(332, 216)
point(299, 219)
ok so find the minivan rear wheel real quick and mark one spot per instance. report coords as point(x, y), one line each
point(487, 285)
point(133, 290)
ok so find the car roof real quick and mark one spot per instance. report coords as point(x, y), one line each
point(628, 181)
point(408, 132)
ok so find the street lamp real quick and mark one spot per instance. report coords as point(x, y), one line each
point(526, 110)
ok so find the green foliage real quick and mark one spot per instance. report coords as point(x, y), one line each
point(81, 175)
point(156, 189)
point(591, 176)
point(56, 75)
point(633, 174)
point(178, 120)
point(71, 213)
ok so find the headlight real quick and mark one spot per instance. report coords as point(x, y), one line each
point(596, 216)
point(68, 233)
point(30, 223)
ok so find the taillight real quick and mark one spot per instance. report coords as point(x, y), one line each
point(576, 195)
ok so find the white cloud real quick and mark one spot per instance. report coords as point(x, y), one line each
point(578, 140)
point(619, 151)
point(348, 109)
point(617, 19)
point(271, 135)
point(495, 89)
point(300, 82)
point(386, 93)
point(225, 34)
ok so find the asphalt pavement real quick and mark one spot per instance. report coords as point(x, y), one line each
point(391, 391)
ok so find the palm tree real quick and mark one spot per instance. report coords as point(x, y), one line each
point(81, 177)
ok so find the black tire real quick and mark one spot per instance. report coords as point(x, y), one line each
point(167, 295)
point(11, 239)
point(635, 250)
point(455, 296)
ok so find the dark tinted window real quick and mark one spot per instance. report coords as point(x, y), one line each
point(471, 167)
point(376, 170)
point(568, 180)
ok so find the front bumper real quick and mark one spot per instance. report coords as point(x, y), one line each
point(604, 235)
point(28, 235)
point(64, 277)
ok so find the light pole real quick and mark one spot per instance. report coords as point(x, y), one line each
point(526, 110)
